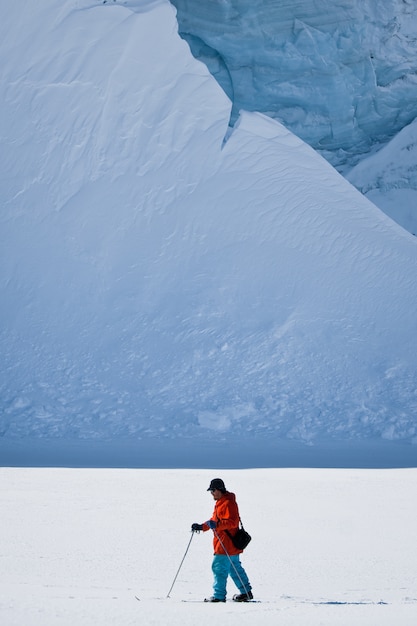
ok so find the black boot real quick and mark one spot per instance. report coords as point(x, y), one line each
point(213, 599)
point(243, 597)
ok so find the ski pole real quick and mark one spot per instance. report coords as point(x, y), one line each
point(178, 571)
point(231, 562)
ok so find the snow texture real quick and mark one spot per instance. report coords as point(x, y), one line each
point(163, 278)
point(329, 547)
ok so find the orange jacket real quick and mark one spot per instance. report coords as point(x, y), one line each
point(226, 516)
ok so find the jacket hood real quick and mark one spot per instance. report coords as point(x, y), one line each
point(229, 496)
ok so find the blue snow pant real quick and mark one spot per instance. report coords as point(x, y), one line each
point(224, 566)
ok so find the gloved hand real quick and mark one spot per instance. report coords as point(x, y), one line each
point(196, 527)
point(211, 524)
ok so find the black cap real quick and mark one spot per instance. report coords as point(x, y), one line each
point(217, 483)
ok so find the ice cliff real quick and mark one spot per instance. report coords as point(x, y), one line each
point(342, 75)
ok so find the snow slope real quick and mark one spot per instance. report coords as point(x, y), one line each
point(162, 279)
point(389, 178)
point(329, 548)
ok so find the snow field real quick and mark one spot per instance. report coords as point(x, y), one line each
point(330, 547)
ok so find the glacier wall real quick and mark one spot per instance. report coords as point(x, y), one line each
point(159, 282)
point(342, 75)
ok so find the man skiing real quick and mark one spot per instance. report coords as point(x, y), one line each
point(226, 561)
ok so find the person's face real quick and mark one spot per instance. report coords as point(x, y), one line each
point(216, 493)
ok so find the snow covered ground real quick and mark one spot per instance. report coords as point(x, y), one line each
point(330, 547)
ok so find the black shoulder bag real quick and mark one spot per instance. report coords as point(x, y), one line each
point(241, 538)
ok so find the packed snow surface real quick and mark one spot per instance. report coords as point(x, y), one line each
point(329, 547)
point(163, 278)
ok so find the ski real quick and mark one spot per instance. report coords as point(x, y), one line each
point(227, 602)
